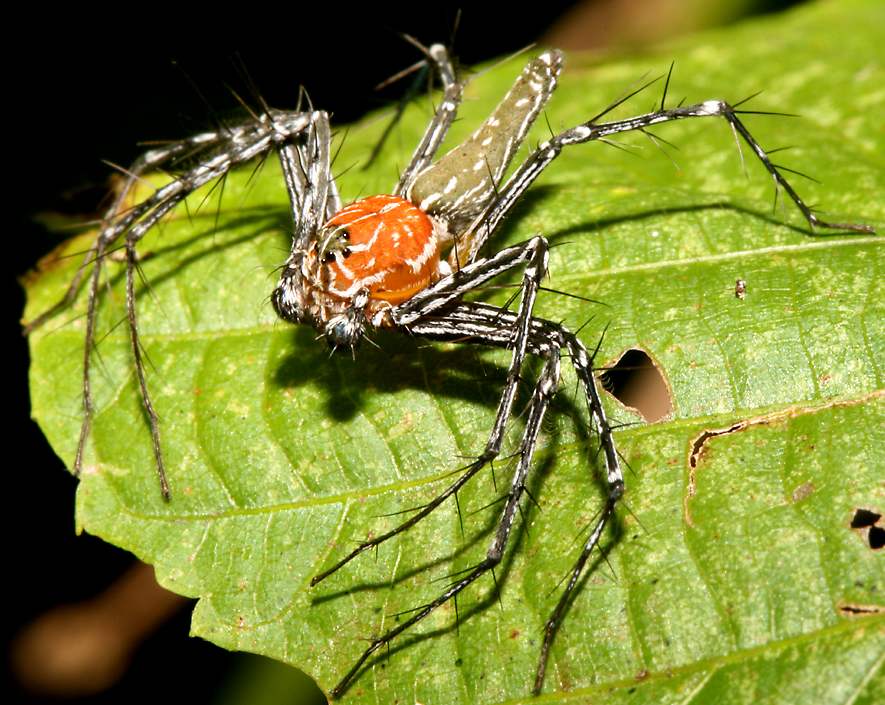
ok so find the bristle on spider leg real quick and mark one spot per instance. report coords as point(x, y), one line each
point(667, 84)
point(620, 101)
point(243, 104)
point(737, 143)
point(747, 99)
point(153, 417)
point(246, 76)
point(409, 523)
point(214, 116)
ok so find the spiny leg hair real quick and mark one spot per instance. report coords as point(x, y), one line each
point(229, 147)
point(488, 222)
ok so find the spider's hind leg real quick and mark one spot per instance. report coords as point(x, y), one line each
point(545, 389)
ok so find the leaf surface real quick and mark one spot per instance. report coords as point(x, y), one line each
point(735, 578)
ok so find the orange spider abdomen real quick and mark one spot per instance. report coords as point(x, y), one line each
point(388, 246)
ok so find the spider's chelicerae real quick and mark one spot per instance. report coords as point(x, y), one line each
point(404, 262)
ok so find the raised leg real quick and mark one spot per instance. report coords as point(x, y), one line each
point(487, 222)
point(307, 170)
point(442, 119)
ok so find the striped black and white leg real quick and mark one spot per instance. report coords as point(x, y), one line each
point(484, 324)
point(442, 119)
point(487, 223)
point(311, 193)
point(227, 148)
point(488, 325)
point(544, 391)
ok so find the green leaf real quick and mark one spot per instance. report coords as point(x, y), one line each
point(738, 580)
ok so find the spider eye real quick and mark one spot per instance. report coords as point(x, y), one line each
point(328, 258)
point(344, 234)
point(346, 252)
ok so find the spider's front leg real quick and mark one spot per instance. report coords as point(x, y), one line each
point(438, 314)
point(545, 389)
point(215, 153)
point(532, 255)
point(488, 324)
point(487, 223)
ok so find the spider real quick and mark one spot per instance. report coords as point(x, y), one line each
point(405, 262)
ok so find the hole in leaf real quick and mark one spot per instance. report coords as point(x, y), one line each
point(876, 537)
point(638, 382)
point(866, 523)
point(864, 518)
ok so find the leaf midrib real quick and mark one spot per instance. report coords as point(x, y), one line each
point(777, 414)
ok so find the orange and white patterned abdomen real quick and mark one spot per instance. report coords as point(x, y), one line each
point(389, 247)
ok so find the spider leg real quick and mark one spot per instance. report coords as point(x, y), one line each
point(532, 254)
point(487, 222)
point(148, 161)
point(583, 365)
point(440, 123)
point(311, 195)
point(230, 148)
point(488, 324)
point(544, 391)
point(94, 256)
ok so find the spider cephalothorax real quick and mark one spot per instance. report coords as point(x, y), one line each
point(405, 262)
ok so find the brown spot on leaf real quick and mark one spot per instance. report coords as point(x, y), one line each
point(802, 491)
point(698, 446)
